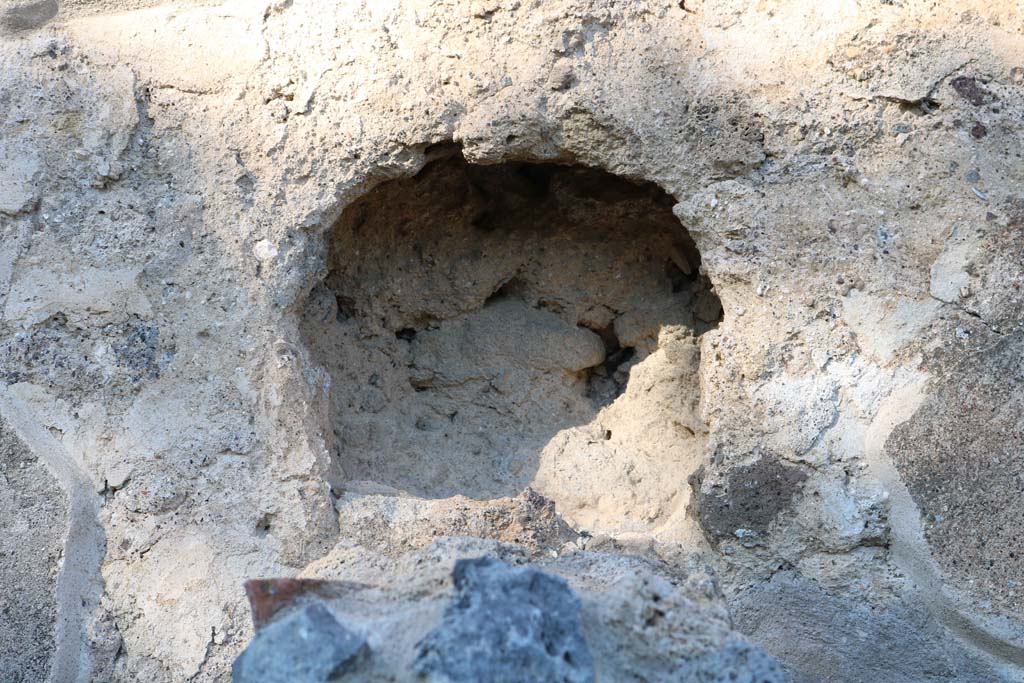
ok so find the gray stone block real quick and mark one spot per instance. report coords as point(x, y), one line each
point(307, 645)
point(507, 624)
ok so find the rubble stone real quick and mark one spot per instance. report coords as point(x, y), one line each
point(507, 625)
point(307, 645)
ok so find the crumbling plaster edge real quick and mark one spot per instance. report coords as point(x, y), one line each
point(79, 584)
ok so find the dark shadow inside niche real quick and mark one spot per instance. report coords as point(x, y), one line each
point(473, 312)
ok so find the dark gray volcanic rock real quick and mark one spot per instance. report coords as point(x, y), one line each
point(507, 624)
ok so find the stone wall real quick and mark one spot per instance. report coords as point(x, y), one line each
point(172, 178)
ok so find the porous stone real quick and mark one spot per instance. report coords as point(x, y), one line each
point(754, 495)
point(737, 661)
point(832, 638)
point(305, 645)
point(641, 619)
point(33, 518)
point(960, 455)
point(507, 625)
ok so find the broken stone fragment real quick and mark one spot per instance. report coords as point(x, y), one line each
point(270, 597)
point(969, 89)
point(561, 76)
point(756, 494)
point(307, 645)
point(506, 624)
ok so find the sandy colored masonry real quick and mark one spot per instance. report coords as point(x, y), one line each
point(301, 288)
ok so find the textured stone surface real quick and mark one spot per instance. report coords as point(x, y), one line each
point(306, 645)
point(33, 520)
point(962, 456)
point(171, 181)
point(377, 520)
point(737, 661)
point(25, 15)
point(507, 624)
point(641, 620)
point(827, 638)
point(753, 497)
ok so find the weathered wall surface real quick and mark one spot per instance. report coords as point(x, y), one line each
point(850, 173)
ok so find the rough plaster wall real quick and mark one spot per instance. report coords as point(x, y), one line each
point(849, 171)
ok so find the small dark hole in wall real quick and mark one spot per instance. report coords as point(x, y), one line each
point(922, 107)
point(677, 277)
point(605, 382)
point(264, 525)
point(345, 308)
point(484, 222)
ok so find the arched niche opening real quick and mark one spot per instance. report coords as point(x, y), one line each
point(493, 327)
